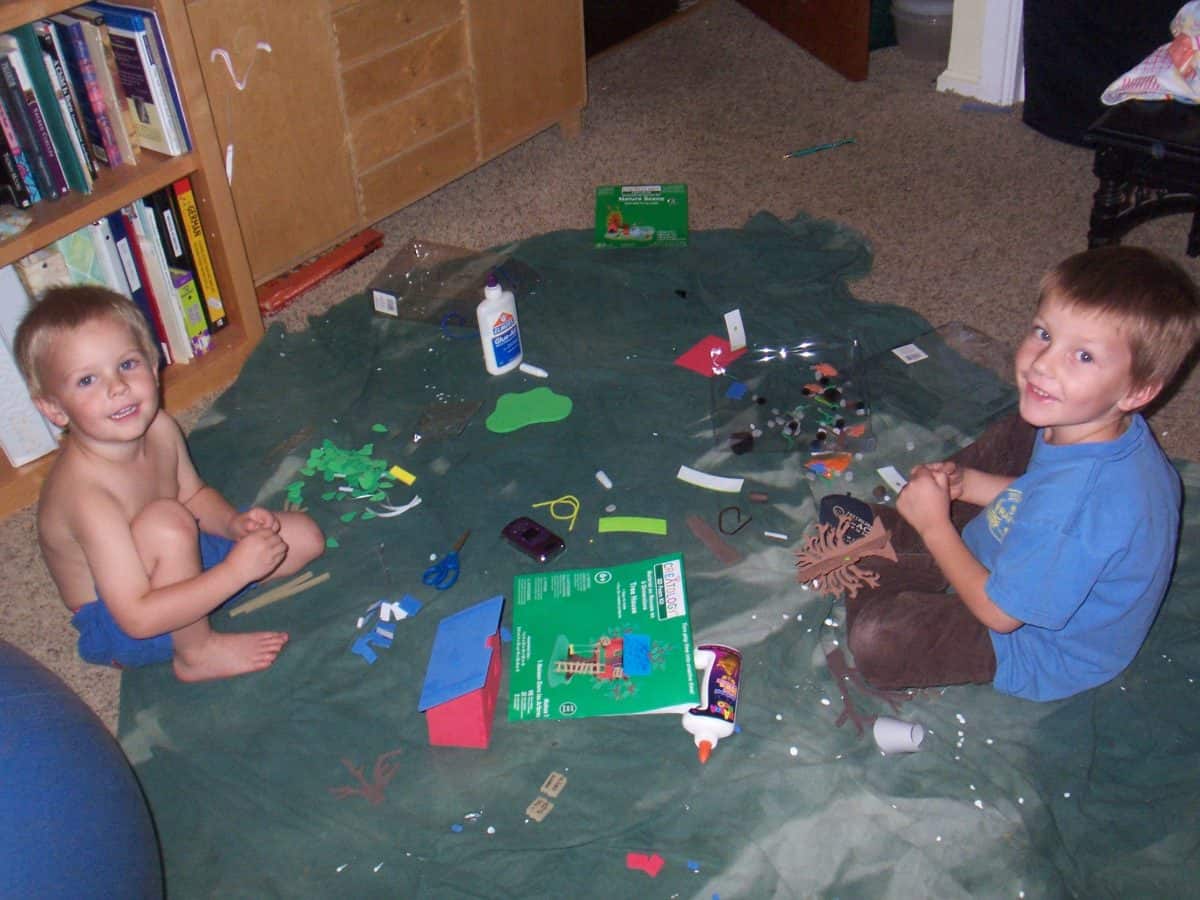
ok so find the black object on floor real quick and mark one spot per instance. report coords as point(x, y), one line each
point(608, 22)
point(1148, 163)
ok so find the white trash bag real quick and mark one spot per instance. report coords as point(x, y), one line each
point(1172, 72)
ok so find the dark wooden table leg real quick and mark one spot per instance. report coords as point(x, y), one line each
point(1110, 168)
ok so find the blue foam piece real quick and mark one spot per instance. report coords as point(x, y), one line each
point(411, 605)
point(362, 646)
point(635, 654)
point(736, 391)
point(459, 659)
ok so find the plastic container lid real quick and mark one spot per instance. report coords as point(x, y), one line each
point(924, 7)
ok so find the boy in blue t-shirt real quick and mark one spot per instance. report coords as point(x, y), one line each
point(1056, 582)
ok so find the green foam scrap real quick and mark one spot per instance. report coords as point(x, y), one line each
point(638, 524)
point(332, 543)
point(514, 411)
point(349, 517)
point(379, 429)
point(357, 467)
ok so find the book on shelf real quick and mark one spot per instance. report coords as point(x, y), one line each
point(174, 241)
point(14, 170)
point(25, 435)
point(32, 67)
point(193, 230)
point(157, 280)
point(145, 87)
point(130, 254)
point(163, 59)
point(55, 60)
point(21, 109)
point(194, 319)
point(173, 113)
point(18, 141)
point(100, 51)
point(177, 269)
point(93, 108)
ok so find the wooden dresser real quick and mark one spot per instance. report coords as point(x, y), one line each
point(334, 114)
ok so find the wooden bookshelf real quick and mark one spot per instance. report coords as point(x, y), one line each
point(183, 384)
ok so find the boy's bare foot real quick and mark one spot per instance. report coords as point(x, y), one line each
point(224, 655)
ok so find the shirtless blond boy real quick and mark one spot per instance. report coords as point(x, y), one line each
point(141, 549)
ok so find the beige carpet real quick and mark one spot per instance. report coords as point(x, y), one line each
point(964, 209)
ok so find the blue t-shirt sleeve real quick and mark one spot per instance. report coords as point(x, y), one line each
point(1041, 575)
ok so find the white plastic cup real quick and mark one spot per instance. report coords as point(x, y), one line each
point(898, 736)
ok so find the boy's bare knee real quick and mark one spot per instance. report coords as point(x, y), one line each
point(305, 539)
point(163, 523)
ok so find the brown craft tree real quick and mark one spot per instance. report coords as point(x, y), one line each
point(828, 560)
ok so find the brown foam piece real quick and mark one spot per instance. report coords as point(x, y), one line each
point(716, 544)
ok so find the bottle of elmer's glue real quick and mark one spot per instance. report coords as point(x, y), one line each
point(498, 329)
point(714, 718)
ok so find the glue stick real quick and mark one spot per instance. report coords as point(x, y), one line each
point(714, 718)
point(499, 331)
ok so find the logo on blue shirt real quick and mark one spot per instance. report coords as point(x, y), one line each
point(1002, 513)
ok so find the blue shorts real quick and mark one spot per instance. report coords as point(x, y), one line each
point(102, 641)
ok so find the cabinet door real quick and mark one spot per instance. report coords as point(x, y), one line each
point(529, 67)
point(271, 76)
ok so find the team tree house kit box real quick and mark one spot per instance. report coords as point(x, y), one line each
point(602, 642)
point(642, 215)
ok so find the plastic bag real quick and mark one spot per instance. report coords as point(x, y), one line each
point(1171, 72)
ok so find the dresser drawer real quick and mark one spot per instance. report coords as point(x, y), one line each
point(415, 119)
point(410, 176)
point(399, 72)
point(376, 26)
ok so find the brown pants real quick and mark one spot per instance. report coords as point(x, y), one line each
point(909, 632)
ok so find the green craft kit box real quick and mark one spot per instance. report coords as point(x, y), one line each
point(642, 215)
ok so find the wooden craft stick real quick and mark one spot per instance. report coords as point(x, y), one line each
point(282, 592)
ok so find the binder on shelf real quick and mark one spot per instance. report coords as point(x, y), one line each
point(108, 259)
point(79, 254)
point(43, 269)
point(131, 264)
point(25, 435)
point(157, 280)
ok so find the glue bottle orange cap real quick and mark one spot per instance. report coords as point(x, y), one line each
point(704, 751)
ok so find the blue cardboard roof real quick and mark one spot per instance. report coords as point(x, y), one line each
point(459, 659)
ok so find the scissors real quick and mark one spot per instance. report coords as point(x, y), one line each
point(443, 573)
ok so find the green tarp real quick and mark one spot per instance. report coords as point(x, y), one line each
point(316, 778)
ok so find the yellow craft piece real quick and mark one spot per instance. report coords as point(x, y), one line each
point(570, 501)
point(402, 475)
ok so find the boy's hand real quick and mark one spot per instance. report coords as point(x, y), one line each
point(925, 500)
point(257, 554)
point(954, 475)
point(254, 519)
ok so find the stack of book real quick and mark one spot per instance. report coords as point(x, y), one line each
point(152, 251)
point(80, 91)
